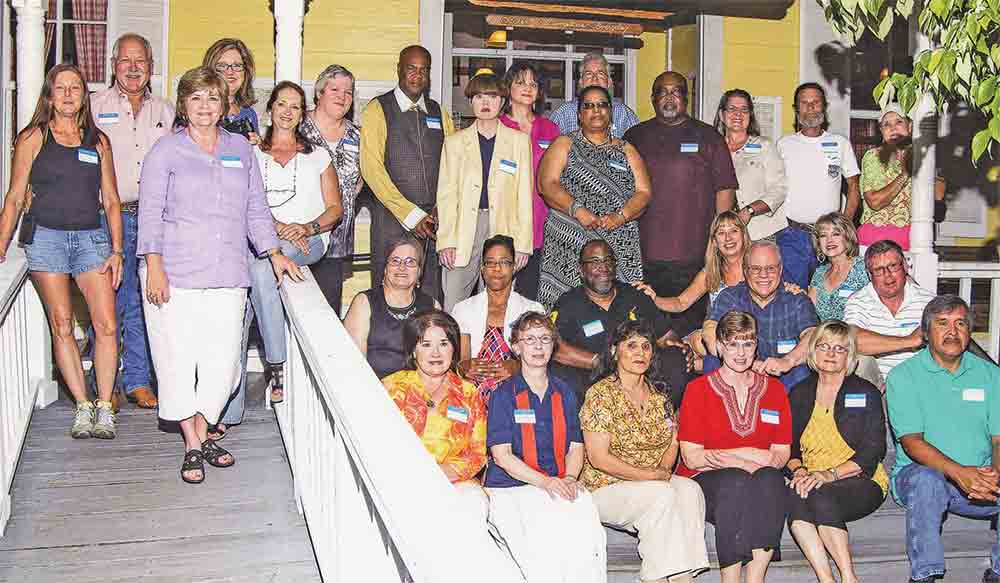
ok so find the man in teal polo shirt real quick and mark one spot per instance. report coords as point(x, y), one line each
point(944, 408)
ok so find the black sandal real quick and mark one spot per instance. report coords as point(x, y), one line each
point(277, 374)
point(213, 454)
point(193, 460)
point(216, 434)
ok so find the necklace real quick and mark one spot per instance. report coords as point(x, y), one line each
point(402, 313)
point(607, 140)
point(430, 402)
point(279, 196)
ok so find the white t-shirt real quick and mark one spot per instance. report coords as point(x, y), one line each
point(814, 167)
point(294, 192)
point(865, 310)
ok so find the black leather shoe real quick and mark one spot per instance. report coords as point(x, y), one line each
point(990, 577)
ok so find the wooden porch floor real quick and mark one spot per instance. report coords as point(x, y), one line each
point(116, 511)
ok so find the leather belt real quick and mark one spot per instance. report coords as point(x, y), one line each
point(130, 207)
point(807, 227)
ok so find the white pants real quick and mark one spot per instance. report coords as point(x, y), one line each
point(552, 541)
point(670, 520)
point(196, 334)
point(472, 499)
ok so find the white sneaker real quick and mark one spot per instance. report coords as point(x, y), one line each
point(104, 424)
point(83, 421)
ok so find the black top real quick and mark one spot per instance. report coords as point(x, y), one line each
point(862, 425)
point(66, 185)
point(385, 330)
point(486, 153)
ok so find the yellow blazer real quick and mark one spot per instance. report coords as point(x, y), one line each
point(460, 183)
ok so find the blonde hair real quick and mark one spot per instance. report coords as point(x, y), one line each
point(830, 330)
point(714, 261)
point(198, 79)
point(244, 96)
point(837, 221)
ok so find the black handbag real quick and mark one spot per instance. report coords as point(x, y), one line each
point(26, 234)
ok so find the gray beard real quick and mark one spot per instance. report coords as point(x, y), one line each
point(805, 122)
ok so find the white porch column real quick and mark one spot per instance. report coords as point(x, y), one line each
point(925, 132)
point(432, 38)
point(30, 56)
point(288, 16)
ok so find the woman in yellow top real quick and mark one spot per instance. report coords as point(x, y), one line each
point(838, 442)
point(445, 411)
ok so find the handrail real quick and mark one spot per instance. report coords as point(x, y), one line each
point(377, 506)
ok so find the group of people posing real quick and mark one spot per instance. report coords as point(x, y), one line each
point(674, 322)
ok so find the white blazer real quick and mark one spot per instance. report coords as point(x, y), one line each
point(471, 316)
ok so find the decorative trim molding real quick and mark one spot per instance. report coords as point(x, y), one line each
point(574, 24)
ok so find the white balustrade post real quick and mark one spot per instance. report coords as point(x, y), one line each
point(40, 349)
point(288, 18)
point(925, 132)
point(30, 56)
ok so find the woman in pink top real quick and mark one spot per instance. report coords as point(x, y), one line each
point(523, 111)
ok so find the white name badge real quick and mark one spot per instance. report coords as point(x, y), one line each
point(232, 162)
point(688, 148)
point(831, 147)
point(544, 144)
point(87, 156)
point(752, 148)
point(909, 324)
point(107, 118)
point(845, 293)
point(855, 400)
point(434, 123)
point(524, 416)
point(618, 166)
point(592, 328)
point(786, 346)
point(973, 395)
point(508, 166)
point(351, 146)
point(770, 416)
point(460, 414)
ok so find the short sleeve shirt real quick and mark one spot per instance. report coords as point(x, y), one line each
point(504, 427)
point(865, 309)
point(638, 438)
point(875, 176)
point(830, 304)
point(956, 412)
point(814, 168)
point(688, 164)
point(779, 323)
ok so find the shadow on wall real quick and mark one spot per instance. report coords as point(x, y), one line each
point(834, 60)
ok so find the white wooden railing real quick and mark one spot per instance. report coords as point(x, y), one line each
point(25, 367)
point(965, 272)
point(377, 506)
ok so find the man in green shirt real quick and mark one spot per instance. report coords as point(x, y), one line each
point(944, 408)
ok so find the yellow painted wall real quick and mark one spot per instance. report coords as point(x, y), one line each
point(762, 56)
point(651, 60)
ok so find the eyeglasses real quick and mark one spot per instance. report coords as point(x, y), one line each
point(764, 269)
point(599, 262)
point(891, 268)
point(537, 340)
point(502, 264)
point(734, 109)
point(594, 75)
point(834, 348)
point(408, 262)
point(234, 67)
point(735, 345)
point(593, 105)
point(675, 92)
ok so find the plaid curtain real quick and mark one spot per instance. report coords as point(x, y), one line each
point(50, 35)
point(90, 38)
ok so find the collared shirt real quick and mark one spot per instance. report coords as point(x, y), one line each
point(622, 118)
point(955, 412)
point(865, 310)
point(761, 174)
point(814, 167)
point(197, 210)
point(503, 428)
point(779, 323)
point(132, 136)
point(405, 103)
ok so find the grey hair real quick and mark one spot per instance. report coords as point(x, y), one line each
point(146, 46)
point(943, 304)
point(327, 75)
point(595, 56)
point(763, 243)
point(882, 247)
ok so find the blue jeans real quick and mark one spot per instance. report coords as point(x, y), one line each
point(927, 496)
point(798, 257)
point(789, 379)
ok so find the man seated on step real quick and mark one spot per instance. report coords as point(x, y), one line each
point(886, 313)
point(944, 409)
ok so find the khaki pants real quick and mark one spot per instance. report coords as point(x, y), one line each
point(460, 282)
point(669, 518)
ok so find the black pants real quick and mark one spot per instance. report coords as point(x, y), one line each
point(836, 503)
point(673, 371)
point(748, 511)
point(527, 280)
point(329, 274)
point(669, 279)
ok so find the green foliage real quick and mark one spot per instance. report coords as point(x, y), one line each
point(963, 65)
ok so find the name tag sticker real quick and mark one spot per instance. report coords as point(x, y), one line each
point(87, 156)
point(508, 166)
point(434, 123)
point(350, 146)
point(974, 395)
point(618, 166)
point(855, 400)
point(827, 146)
point(592, 328)
point(845, 293)
point(460, 414)
point(752, 148)
point(770, 416)
point(544, 144)
point(786, 346)
point(524, 416)
point(107, 118)
point(909, 324)
point(232, 162)
point(689, 148)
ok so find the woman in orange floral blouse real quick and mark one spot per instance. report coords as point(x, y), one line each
point(446, 412)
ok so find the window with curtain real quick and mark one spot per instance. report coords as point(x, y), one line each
point(76, 31)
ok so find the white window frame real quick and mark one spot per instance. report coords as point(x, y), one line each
point(109, 28)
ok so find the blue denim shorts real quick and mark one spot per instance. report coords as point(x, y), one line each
point(72, 252)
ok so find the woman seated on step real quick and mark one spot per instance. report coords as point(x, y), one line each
point(629, 429)
point(838, 442)
point(444, 410)
point(546, 518)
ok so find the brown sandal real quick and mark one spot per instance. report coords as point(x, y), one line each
point(214, 454)
point(194, 460)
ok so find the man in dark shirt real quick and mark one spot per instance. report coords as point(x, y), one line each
point(586, 315)
point(693, 179)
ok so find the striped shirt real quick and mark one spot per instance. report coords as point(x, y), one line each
point(865, 310)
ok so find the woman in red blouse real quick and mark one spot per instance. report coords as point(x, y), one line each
point(735, 433)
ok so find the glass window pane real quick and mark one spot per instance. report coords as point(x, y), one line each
point(462, 69)
point(83, 10)
point(615, 48)
point(84, 45)
point(469, 31)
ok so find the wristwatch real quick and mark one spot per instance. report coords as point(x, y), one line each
point(315, 227)
point(749, 208)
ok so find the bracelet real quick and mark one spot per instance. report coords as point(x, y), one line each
point(621, 213)
point(122, 253)
point(836, 476)
point(573, 207)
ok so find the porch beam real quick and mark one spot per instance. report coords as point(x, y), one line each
point(30, 56)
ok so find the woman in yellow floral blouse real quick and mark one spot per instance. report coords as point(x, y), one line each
point(628, 432)
point(446, 412)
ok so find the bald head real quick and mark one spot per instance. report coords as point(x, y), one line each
point(414, 71)
point(669, 97)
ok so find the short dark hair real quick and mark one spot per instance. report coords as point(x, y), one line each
point(591, 242)
point(588, 89)
point(485, 83)
point(608, 366)
point(300, 138)
point(417, 325)
point(518, 70)
point(531, 319)
point(405, 239)
point(753, 129)
point(795, 103)
point(499, 241)
point(943, 304)
point(880, 248)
